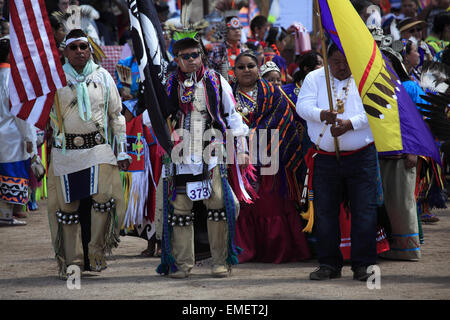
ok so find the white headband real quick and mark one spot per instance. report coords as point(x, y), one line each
point(70, 40)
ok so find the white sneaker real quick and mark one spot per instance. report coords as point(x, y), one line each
point(180, 274)
point(220, 271)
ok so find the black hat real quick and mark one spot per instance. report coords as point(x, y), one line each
point(408, 23)
point(184, 44)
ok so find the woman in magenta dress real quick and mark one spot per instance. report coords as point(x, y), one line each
point(270, 228)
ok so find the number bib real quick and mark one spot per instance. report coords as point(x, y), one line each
point(198, 190)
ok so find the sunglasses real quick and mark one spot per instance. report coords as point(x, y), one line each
point(249, 66)
point(187, 56)
point(82, 46)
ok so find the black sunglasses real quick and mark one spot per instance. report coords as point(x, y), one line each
point(249, 66)
point(186, 56)
point(82, 46)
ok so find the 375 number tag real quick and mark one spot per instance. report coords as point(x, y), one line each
point(198, 190)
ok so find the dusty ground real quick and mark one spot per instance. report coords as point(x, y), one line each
point(28, 271)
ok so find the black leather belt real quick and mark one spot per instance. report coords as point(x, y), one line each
point(83, 141)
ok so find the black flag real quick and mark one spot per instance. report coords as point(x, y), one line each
point(150, 53)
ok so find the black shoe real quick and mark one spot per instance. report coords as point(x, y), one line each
point(360, 273)
point(324, 273)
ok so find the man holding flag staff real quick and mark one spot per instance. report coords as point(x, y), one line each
point(355, 171)
point(365, 91)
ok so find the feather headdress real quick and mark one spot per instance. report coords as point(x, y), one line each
point(434, 77)
point(437, 114)
point(187, 29)
point(72, 20)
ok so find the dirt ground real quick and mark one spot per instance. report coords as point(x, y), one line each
point(28, 271)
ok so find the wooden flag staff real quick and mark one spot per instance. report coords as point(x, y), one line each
point(327, 75)
point(58, 113)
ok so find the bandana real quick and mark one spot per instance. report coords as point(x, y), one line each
point(84, 103)
point(234, 23)
point(70, 40)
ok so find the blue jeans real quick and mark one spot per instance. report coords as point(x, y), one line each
point(355, 177)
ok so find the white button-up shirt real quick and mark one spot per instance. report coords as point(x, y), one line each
point(313, 98)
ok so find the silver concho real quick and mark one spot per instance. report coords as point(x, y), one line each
point(297, 91)
point(188, 83)
point(98, 138)
point(78, 141)
point(80, 78)
point(185, 99)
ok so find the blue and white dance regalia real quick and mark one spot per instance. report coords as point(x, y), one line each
point(14, 160)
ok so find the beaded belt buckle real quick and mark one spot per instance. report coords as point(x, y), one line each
point(83, 141)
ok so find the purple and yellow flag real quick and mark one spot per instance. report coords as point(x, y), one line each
point(396, 124)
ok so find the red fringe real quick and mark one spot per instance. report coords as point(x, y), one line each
point(274, 47)
point(160, 151)
point(234, 182)
point(294, 188)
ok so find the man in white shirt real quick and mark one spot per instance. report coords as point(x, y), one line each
point(353, 176)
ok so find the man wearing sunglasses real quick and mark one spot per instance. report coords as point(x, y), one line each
point(86, 204)
point(201, 100)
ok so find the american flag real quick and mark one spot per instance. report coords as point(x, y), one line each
point(36, 71)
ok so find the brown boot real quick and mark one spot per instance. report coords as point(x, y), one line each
point(158, 248)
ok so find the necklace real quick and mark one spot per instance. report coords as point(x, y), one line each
point(340, 101)
point(232, 52)
point(296, 89)
point(189, 82)
point(187, 89)
point(245, 103)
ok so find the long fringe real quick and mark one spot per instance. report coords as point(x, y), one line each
point(59, 255)
point(112, 238)
point(230, 208)
point(420, 208)
point(309, 214)
point(126, 178)
point(167, 260)
point(248, 173)
point(136, 196)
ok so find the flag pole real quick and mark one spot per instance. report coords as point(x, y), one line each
point(327, 75)
point(58, 112)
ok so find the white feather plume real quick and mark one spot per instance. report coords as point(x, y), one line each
point(186, 8)
point(434, 78)
point(394, 30)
